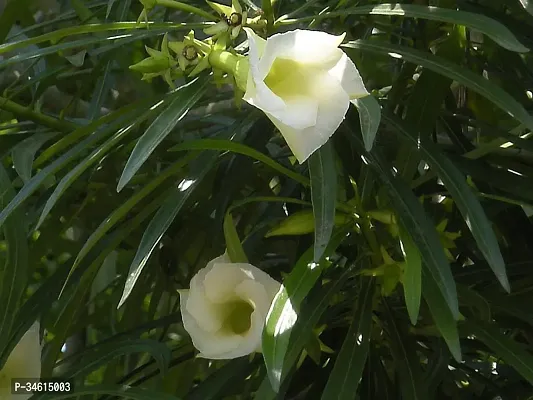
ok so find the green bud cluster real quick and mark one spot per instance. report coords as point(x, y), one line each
point(191, 56)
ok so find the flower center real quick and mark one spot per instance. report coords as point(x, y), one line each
point(190, 53)
point(289, 78)
point(235, 19)
point(238, 318)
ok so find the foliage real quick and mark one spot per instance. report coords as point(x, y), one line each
point(115, 191)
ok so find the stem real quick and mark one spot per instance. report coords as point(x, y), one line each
point(93, 28)
point(231, 64)
point(266, 5)
point(41, 119)
point(187, 8)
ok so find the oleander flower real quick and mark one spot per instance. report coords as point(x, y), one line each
point(225, 309)
point(23, 362)
point(304, 83)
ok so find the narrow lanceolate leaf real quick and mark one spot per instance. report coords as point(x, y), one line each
point(442, 316)
point(185, 98)
point(228, 145)
point(488, 26)
point(350, 363)
point(323, 195)
point(528, 5)
point(95, 132)
point(81, 364)
point(233, 244)
point(464, 197)
point(86, 163)
point(14, 273)
point(453, 71)
point(23, 154)
point(313, 310)
point(369, 118)
point(109, 7)
point(159, 225)
point(415, 220)
point(412, 275)
point(510, 351)
point(213, 387)
point(119, 213)
point(100, 92)
point(284, 311)
point(407, 363)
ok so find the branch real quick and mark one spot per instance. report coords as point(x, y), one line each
point(39, 118)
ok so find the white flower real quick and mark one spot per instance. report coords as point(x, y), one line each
point(23, 362)
point(225, 309)
point(304, 83)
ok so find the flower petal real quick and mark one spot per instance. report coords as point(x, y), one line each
point(334, 103)
point(220, 282)
point(256, 44)
point(303, 46)
point(257, 92)
point(205, 313)
point(255, 294)
point(347, 74)
point(212, 345)
point(23, 362)
point(270, 285)
point(220, 26)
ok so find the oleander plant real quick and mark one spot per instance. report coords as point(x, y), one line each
point(266, 199)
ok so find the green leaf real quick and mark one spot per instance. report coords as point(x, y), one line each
point(126, 207)
point(90, 160)
point(466, 200)
point(14, 274)
point(369, 118)
point(160, 223)
point(311, 314)
point(349, 365)
point(185, 98)
point(72, 44)
point(323, 195)
point(29, 312)
point(488, 26)
point(121, 391)
point(284, 311)
point(406, 361)
point(453, 71)
point(412, 275)
point(441, 313)
point(95, 134)
point(212, 388)
point(77, 59)
point(415, 220)
point(110, 4)
point(95, 356)
point(528, 5)
point(513, 353)
point(228, 145)
point(302, 223)
point(101, 89)
point(233, 244)
point(11, 12)
point(23, 153)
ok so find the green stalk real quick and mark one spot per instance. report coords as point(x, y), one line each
point(41, 119)
point(187, 8)
point(231, 64)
